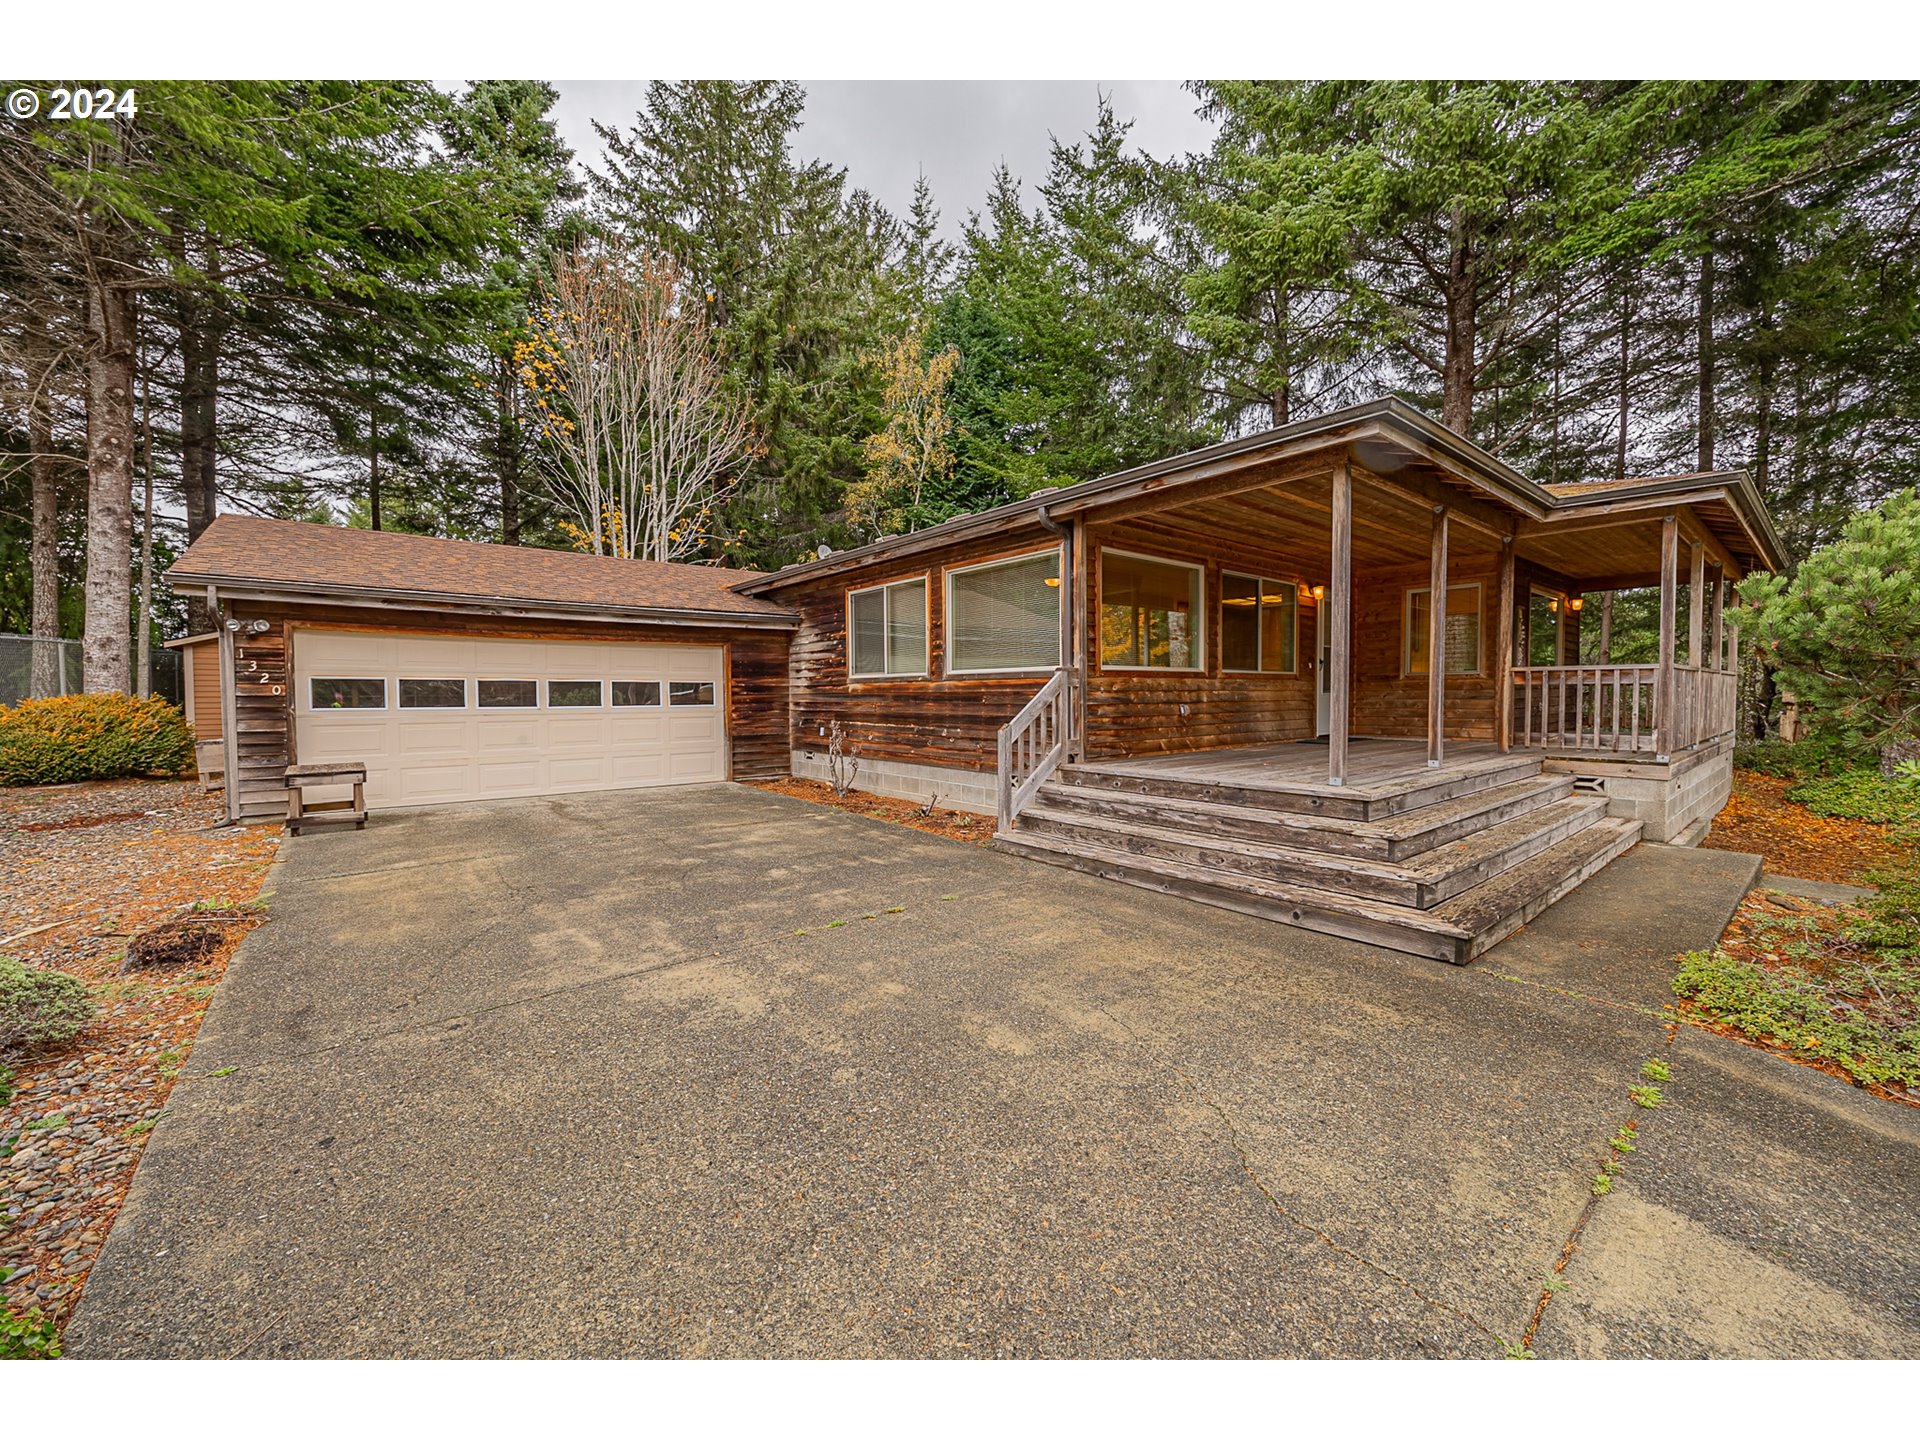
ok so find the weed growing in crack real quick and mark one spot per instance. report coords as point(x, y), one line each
point(1516, 1350)
point(1602, 1184)
point(1554, 1285)
point(1647, 1097)
point(1655, 1070)
point(1622, 1142)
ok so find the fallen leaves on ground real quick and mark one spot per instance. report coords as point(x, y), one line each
point(1760, 820)
point(83, 870)
point(952, 824)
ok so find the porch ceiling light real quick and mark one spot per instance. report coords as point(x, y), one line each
point(1553, 607)
point(1576, 602)
point(1319, 592)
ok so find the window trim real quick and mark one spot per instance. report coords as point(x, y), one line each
point(600, 704)
point(659, 690)
point(466, 692)
point(1259, 641)
point(480, 680)
point(946, 646)
point(389, 697)
point(1200, 612)
point(925, 581)
point(1407, 672)
point(667, 702)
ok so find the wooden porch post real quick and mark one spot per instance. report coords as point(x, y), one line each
point(1719, 617)
point(1503, 650)
point(1696, 606)
point(1078, 651)
point(1606, 627)
point(1340, 624)
point(1669, 603)
point(1437, 641)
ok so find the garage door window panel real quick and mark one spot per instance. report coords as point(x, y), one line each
point(333, 693)
point(573, 694)
point(509, 694)
point(690, 692)
point(636, 692)
point(433, 694)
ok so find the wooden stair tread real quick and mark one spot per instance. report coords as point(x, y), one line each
point(1484, 904)
point(1426, 881)
point(1374, 803)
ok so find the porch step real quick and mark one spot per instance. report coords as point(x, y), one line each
point(1396, 838)
point(1456, 930)
point(1369, 802)
point(1421, 883)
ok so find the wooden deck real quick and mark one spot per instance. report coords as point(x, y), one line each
point(1383, 776)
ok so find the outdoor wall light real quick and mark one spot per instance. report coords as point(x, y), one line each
point(1319, 592)
point(1053, 582)
point(1553, 607)
point(1576, 602)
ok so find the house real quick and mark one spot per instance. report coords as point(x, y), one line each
point(1224, 675)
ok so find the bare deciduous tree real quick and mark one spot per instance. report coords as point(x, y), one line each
point(644, 436)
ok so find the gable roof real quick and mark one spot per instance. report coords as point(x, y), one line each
point(1389, 428)
point(292, 558)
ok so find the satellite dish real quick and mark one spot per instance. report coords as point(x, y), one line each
point(823, 552)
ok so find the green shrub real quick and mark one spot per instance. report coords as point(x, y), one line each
point(28, 1336)
point(1802, 758)
point(40, 1007)
point(1856, 795)
point(91, 737)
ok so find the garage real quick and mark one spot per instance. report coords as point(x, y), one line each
point(456, 671)
point(443, 718)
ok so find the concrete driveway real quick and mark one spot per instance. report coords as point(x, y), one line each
point(716, 1072)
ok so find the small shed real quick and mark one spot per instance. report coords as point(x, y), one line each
point(200, 682)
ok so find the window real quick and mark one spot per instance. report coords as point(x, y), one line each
point(636, 692)
point(1463, 630)
point(1259, 624)
point(573, 694)
point(690, 692)
point(433, 694)
point(888, 625)
point(347, 694)
point(1543, 628)
point(509, 694)
point(1004, 615)
point(1149, 613)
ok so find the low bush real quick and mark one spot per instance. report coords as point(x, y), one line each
point(40, 1007)
point(1801, 758)
point(91, 737)
point(1855, 795)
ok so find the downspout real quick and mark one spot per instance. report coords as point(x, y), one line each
point(1070, 626)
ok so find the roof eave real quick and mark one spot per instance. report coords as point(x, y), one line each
point(242, 587)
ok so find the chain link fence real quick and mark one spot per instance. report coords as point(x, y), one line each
point(32, 668)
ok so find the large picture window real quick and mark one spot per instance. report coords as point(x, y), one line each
point(1462, 630)
point(1004, 615)
point(888, 626)
point(1259, 624)
point(1149, 613)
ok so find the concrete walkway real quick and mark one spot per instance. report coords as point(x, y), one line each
point(565, 1077)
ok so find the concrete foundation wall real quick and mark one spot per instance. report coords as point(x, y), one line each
point(953, 789)
point(1676, 802)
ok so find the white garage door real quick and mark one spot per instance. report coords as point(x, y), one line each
point(437, 718)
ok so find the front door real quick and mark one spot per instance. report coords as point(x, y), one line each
point(1323, 650)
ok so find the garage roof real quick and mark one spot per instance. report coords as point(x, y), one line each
point(296, 559)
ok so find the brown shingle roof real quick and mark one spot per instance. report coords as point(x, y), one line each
point(294, 556)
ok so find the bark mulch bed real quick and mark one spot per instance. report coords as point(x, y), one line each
point(961, 825)
point(85, 870)
point(1760, 820)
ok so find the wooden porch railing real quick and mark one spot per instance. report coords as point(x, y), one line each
point(1032, 745)
point(1619, 707)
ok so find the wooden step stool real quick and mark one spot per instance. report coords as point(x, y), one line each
point(338, 772)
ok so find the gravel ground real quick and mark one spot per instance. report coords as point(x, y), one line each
point(83, 870)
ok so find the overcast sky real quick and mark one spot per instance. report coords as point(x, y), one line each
point(886, 133)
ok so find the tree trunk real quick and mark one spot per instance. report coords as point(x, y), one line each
point(47, 676)
point(104, 650)
point(1626, 374)
point(1457, 379)
point(1281, 401)
point(200, 333)
point(373, 454)
point(1763, 419)
point(507, 437)
point(143, 651)
point(1704, 342)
